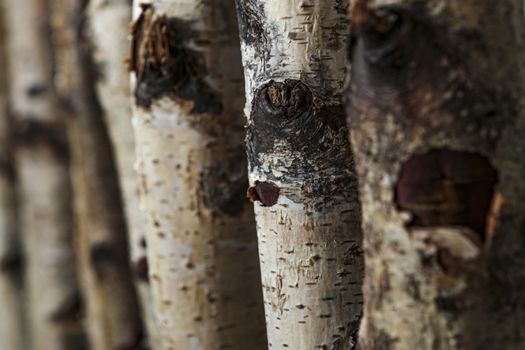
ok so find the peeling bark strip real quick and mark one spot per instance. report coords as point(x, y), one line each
point(193, 176)
point(44, 198)
point(304, 188)
point(437, 124)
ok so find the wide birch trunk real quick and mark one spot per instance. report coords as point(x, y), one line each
point(437, 123)
point(113, 316)
point(53, 298)
point(11, 298)
point(114, 93)
point(188, 121)
point(301, 171)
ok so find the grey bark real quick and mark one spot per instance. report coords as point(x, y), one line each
point(437, 123)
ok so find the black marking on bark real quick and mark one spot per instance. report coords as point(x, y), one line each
point(287, 118)
point(141, 269)
point(11, 263)
point(29, 132)
point(7, 171)
point(265, 192)
point(447, 188)
point(223, 184)
point(36, 90)
point(446, 304)
point(100, 256)
point(70, 311)
point(251, 15)
point(166, 66)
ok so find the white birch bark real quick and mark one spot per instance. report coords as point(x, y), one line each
point(112, 317)
point(114, 93)
point(188, 124)
point(53, 301)
point(11, 324)
point(303, 184)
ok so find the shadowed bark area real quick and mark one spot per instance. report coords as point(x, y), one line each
point(188, 123)
point(437, 124)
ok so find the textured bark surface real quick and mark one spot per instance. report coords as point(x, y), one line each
point(437, 124)
point(11, 301)
point(188, 121)
point(114, 93)
point(303, 184)
point(53, 300)
point(113, 316)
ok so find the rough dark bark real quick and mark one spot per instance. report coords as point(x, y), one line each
point(436, 116)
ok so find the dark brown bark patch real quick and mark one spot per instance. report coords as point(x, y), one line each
point(223, 184)
point(102, 255)
point(288, 120)
point(29, 132)
point(70, 311)
point(166, 66)
point(265, 192)
point(11, 264)
point(447, 188)
point(141, 269)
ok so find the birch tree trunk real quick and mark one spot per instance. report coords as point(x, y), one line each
point(188, 123)
point(303, 183)
point(113, 90)
point(113, 317)
point(11, 324)
point(53, 299)
point(437, 123)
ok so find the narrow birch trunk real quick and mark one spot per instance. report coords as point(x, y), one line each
point(113, 90)
point(303, 183)
point(188, 122)
point(53, 299)
point(113, 317)
point(438, 124)
point(11, 323)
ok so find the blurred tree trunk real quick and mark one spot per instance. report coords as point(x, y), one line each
point(188, 122)
point(113, 89)
point(113, 317)
point(303, 183)
point(438, 124)
point(53, 299)
point(11, 320)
